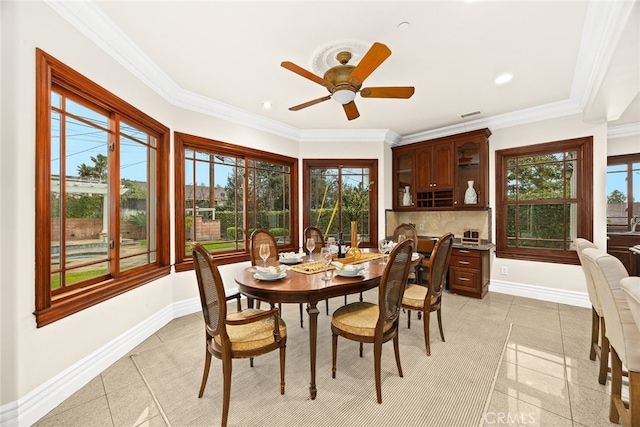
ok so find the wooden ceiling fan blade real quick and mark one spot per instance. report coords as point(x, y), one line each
point(306, 74)
point(369, 62)
point(351, 110)
point(388, 92)
point(309, 103)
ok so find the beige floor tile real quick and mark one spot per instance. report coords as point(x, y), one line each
point(493, 310)
point(156, 421)
point(574, 311)
point(177, 327)
point(91, 413)
point(507, 410)
point(537, 338)
point(545, 319)
point(120, 374)
point(541, 390)
point(498, 297)
point(89, 392)
point(535, 303)
point(584, 372)
point(575, 327)
point(589, 407)
point(536, 359)
point(576, 347)
point(132, 405)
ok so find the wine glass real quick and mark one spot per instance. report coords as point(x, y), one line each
point(311, 245)
point(326, 257)
point(264, 253)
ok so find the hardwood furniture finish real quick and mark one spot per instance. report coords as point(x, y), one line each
point(366, 322)
point(244, 334)
point(258, 237)
point(618, 245)
point(309, 289)
point(315, 234)
point(598, 330)
point(429, 298)
point(608, 272)
point(469, 272)
point(409, 231)
point(437, 172)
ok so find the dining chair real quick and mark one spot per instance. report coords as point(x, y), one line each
point(316, 234)
point(426, 299)
point(599, 343)
point(409, 231)
point(376, 324)
point(624, 336)
point(243, 334)
point(258, 237)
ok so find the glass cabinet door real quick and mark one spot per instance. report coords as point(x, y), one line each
point(403, 180)
point(470, 191)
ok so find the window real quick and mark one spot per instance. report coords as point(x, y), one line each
point(338, 192)
point(225, 191)
point(544, 200)
point(101, 212)
point(623, 190)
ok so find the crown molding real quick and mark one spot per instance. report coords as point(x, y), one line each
point(601, 20)
point(631, 129)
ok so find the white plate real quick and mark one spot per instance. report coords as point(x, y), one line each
point(349, 273)
point(290, 261)
point(415, 256)
point(259, 276)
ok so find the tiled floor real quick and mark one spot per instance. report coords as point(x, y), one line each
point(545, 379)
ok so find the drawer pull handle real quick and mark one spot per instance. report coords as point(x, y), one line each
point(463, 251)
point(464, 262)
point(464, 279)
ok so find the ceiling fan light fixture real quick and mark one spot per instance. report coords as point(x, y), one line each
point(344, 96)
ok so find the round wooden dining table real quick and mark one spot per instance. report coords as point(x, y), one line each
point(310, 289)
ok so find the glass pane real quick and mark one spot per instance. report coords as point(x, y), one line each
point(512, 189)
point(541, 226)
point(635, 182)
point(55, 201)
point(617, 197)
point(268, 200)
point(324, 201)
point(95, 119)
point(354, 206)
point(80, 274)
point(541, 181)
point(134, 261)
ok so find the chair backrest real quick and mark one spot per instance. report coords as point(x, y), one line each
point(393, 283)
point(439, 260)
point(258, 237)
point(408, 230)
point(212, 294)
point(582, 244)
point(315, 234)
point(607, 271)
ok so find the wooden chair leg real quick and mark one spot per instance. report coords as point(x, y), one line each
point(616, 387)
point(595, 328)
point(634, 397)
point(396, 349)
point(427, 317)
point(301, 317)
point(283, 355)
point(439, 314)
point(205, 373)
point(408, 319)
point(226, 389)
point(604, 354)
point(361, 349)
point(326, 304)
point(334, 354)
point(377, 361)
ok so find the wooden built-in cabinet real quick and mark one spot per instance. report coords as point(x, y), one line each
point(619, 245)
point(437, 172)
point(469, 272)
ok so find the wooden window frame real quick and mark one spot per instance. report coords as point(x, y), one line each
point(182, 142)
point(49, 307)
point(584, 189)
point(372, 164)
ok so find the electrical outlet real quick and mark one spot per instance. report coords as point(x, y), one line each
point(420, 226)
point(504, 271)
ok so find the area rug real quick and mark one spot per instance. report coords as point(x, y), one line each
point(450, 388)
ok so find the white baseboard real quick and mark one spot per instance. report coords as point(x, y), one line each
point(561, 296)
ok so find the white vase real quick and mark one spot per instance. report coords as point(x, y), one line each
point(406, 199)
point(470, 196)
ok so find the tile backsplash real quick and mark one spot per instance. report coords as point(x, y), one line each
point(436, 223)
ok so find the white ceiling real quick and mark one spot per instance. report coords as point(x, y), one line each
point(223, 58)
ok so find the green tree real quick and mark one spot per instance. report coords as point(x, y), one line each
point(616, 196)
point(97, 171)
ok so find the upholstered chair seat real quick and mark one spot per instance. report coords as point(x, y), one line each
point(251, 336)
point(359, 318)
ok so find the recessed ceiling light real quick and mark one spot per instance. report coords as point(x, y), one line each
point(503, 78)
point(266, 105)
point(403, 26)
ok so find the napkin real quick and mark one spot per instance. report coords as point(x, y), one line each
point(415, 256)
point(347, 267)
point(272, 270)
point(290, 255)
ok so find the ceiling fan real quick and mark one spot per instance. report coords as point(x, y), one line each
point(344, 81)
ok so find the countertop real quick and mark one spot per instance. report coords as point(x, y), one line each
point(484, 245)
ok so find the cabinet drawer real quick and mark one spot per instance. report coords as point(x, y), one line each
point(464, 279)
point(465, 253)
point(465, 262)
